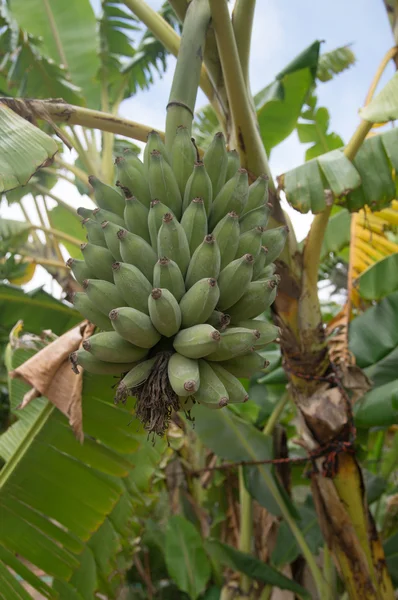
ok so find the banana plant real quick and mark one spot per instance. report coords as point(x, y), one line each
point(359, 176)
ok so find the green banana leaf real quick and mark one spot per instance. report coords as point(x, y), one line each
point(384, 106)
point(380, 279)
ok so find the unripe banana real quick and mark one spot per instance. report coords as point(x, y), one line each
point(136, 218)
point(227, 233)
point(133, 161)
point(194, 223)
point(85, 213)
point(106, 196)
point(268, 271)
point(231, 197)
point(96, 366)
point(197, 341)
point(198, 186)
point(205, 262)
point(83, 304)
point(167, 274)
point(135, 377)
point(259, 263)
point(154, 142)
point(258, 194)
point(99, 260)
point(95, 234)
point(234, 342)
point(250, 242)
point(268, 331)
point(258, 297)
point(132, 285)
point(103, 294)
point(173, 243)
point(79, 269)
point(183, 156)
point(157, 211)
point(131, 178)
point(258, 217)
point(235, 390)
point(211, 390)
point(246, 365)
point(274, 240)
point(134, 326)
point(199, 302)
point(110, 347)
point(164, 311)
point(112, 241)
point(183, 374)
point(219, 320)
point(163, 184)
point(233, 164)
point(137, 252)
point(234, 280)
point(216, 162)
point(101, 215)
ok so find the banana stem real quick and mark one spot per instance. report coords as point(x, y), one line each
point(45, 192)
point(180, 8)
point(246, 526)
point(57, 249)
point(275, 415)
point(77, 172)
point(83, 154)
point(60, 235)
point(242, 23)
point(44, 262)
point(186, 78)
point(27, 219)
point(107, 139)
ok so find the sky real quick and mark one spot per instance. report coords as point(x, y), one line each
point(282, 29)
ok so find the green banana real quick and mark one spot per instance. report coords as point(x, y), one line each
point(95, 234)
point(268, 331)
point(131, 178)
point(132, 285)
point(259, 263)
point(112, 241)
point(198, 186)
point(164, 312)
point(231, 197)
point(205, 262)
point(197, 341)
point(183, 374)
point(267, 271)
point(85, 213)
point(199, 302)
point(211, 390)
point(96, 366)
point(234, 342)
point(136, 218)
point(258, 217)
point(194, 223)
point(103, 294)
point(250, 242)
point(183, 156)
point(101, 215)
point(135, 377)
point(79, 269)
point(106, 196)
point(154, 142)
point(258, 194)
point(246, 365)
point(227, 234)
point(186, 404)
point(167, 274)
point(233, 164)
point(162, 183)
point(274, 240)
point(137, 252)
point(173, 243)
point(258, 296)
point(157, 211)
point(234, 280)
point(99, 260)
point(219, 320)
point(110, 347)
point(133, 161)
point(134, 326)
point(83, 304)
point(235, 390)
point(216, 162)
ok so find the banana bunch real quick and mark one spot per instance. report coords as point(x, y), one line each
point(177, 266)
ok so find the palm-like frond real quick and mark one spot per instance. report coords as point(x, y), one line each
point(334, 62)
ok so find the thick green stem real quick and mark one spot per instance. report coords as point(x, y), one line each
point(185, 85)
point(275, 415)
point(246, 526)
point(242, 22)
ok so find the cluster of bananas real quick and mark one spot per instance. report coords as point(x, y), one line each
point(174, 274)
